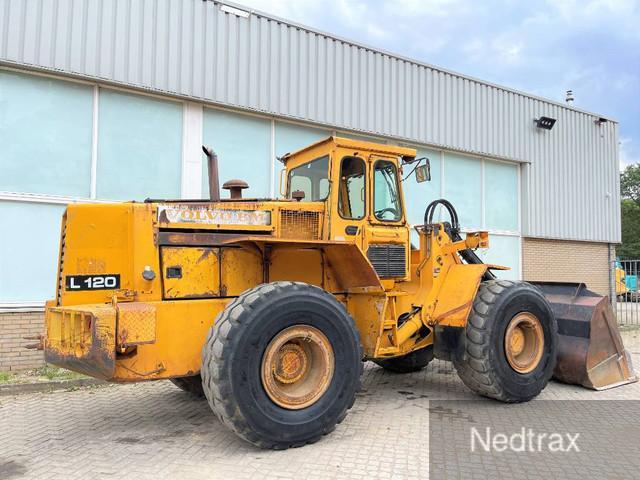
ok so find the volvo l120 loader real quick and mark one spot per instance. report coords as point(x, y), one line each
point(269, 307)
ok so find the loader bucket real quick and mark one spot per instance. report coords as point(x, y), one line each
point(590, 349)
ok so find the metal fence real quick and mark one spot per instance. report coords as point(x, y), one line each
point(627, 292)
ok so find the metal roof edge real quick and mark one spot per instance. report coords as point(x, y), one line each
point(413, 61)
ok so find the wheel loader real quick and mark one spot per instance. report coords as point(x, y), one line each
point(269, 308)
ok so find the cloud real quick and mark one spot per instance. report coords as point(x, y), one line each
point(629, 152)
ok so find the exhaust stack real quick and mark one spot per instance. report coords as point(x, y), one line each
point(212, 165)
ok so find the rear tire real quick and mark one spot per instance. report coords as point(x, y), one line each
point(241, 342)
point(485, 367)
point(409, 363)
point(192, 385)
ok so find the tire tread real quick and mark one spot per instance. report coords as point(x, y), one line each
point(475, 370)
point(217, 387)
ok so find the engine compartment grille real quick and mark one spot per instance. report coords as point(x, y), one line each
point(299, 224)
point(388, 260)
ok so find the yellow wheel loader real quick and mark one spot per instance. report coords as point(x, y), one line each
point(269, 307)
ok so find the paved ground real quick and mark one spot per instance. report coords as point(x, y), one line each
point(155, 431)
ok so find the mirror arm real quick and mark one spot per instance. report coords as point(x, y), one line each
point(419, 160)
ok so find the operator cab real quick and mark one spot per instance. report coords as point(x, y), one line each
point(360, 184)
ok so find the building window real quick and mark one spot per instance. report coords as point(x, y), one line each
point(29, 259)
point(291, 137)
point(386, 200)
point(45, 135)
point(351, 200)
point(463, 188)
point(501, 196)
point(139, 147)
point(243, 145)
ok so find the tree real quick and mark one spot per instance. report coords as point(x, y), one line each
point(630, 183)
point(630, 248)
point(630, 209)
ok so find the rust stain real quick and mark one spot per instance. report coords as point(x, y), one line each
point(206, 294)
point(98, 361)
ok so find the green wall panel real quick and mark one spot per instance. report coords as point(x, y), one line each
point(29, 255)
point(139, 147)
point(243, 145)
point(462, 187)
point(501, 196)
point(291, 137)
point(45, 135)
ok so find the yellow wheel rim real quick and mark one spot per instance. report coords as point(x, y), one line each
point(297, 367)
point(524, 342)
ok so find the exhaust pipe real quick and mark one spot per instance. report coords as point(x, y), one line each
point(212, 165)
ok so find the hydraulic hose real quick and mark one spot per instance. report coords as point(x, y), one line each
point(453, 230)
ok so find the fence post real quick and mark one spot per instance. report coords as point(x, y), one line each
point(612, 280)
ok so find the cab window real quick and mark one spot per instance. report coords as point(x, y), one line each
point(352, 188)
point(312, 178)
point(386, 198)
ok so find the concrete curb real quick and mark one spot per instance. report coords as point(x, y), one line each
point(45, 387)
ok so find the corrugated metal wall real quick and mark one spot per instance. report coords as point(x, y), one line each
point(191, 48)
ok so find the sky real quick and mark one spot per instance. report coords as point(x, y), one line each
point(540, 47)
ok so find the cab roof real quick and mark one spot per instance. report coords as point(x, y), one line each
point(357, 145)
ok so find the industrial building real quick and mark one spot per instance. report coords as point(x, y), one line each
point(112, 100)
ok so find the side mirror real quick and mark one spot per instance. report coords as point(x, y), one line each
point(423, 172)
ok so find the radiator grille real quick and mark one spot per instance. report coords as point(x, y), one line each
point(63, 236)
point(388, 260)
point(297, 224)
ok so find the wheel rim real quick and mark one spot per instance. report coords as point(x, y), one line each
point(297, 367)
point(524, 342)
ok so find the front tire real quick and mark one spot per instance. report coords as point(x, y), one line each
point(510, 342)
point(282, 364)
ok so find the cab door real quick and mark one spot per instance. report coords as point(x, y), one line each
point(386, 233)
point(351, 206)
